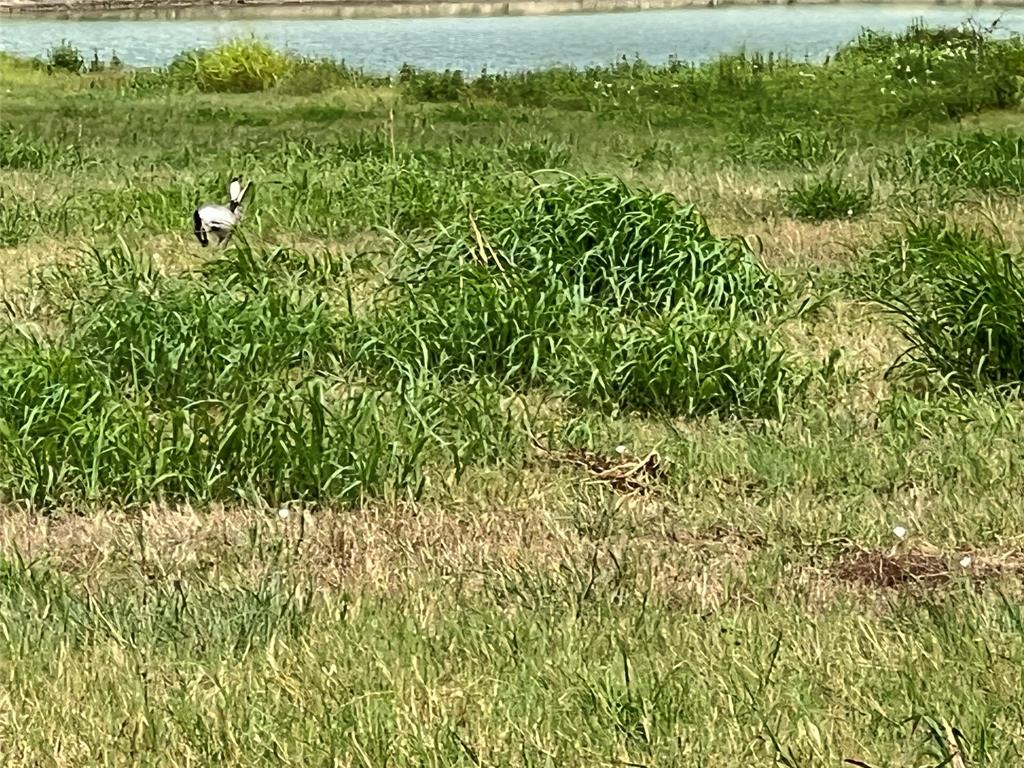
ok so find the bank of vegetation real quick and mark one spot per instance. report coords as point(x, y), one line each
point(639, 414)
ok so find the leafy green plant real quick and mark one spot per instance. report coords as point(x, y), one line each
point(424, 85)
point(900, 256)
point(16, 222)
point(178, 339)
point(623, 246)
point(219, 386)
point(684, 362)
point(66, 58)
point(308, 76)
point(68, 432)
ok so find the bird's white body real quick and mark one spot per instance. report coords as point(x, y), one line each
point(220, 220)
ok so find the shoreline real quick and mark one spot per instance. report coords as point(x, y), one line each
point(248, 9)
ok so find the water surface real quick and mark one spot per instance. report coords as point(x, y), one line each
point(502, 43)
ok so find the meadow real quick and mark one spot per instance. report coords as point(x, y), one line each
point(631, 416)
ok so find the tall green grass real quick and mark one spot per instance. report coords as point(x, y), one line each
point(235, 66)
point(19, 150)
point(185, 387)
point(960, 300)
point(248, 65)
point(786, 147)
point(66, 57)
point(446, 442)
point(979, 160)
point(609, 295)
point(70, 434)
point(942, 72)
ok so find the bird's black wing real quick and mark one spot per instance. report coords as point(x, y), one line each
point(197, 223)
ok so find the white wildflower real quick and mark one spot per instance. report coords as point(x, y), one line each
point(965, 561)
point(283, 513)
point(899, 532)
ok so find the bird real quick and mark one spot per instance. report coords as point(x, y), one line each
point(220, 220)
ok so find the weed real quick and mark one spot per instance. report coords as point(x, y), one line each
point(20, 150)
point(960, 305)
point(16, 223)
point(307, 76)
point(606, 294)
point(805, 149)
point(830, 197)
point(66, 58)
point(949, 72)
point(977, 160)
point(432, 86)
point(624, 247)
point(236, 66)
point(685, 362)
point(67, 433)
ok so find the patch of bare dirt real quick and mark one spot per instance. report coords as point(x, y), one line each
point(919, 568)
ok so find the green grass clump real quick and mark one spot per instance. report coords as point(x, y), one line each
point(630, 248)
point(609, 295)
point(783, 148)
point(66, 58)
point(180, 339)
point(20, 150)
point(424, 85)
point(979, 160)
point(71, 434)
point(247, 65)
point(309, 76)
point(458, 320)
point(960, 298)
point(216, 388)
point(688, 362)
point(830, 197)
point(17, 222)
point(235, 66)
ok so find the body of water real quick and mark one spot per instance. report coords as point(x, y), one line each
point(502, 43)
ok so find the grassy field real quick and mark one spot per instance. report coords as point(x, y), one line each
point(636, 416)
